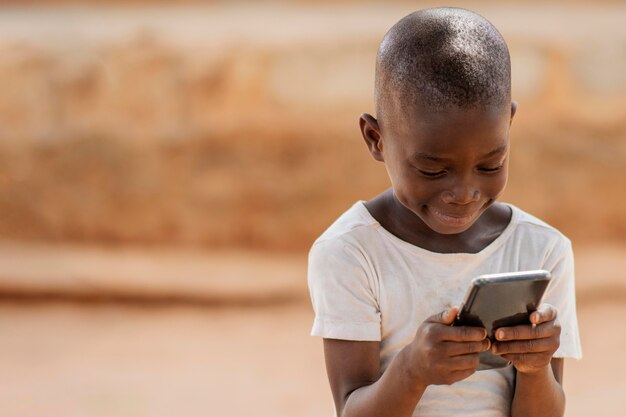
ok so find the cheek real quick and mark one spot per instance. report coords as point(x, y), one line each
point(407, 196)
point(497, 184)
point(397, 172)
point(412, 190)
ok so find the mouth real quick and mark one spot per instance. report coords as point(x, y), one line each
point(454, 220)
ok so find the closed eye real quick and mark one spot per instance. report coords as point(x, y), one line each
point(432, 174)
point(494, 169)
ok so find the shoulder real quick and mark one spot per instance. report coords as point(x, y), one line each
point(531, 225)
point(352, 221)
point(533, 233)
point(347, 242)
point(352, 229)
point(340, 275)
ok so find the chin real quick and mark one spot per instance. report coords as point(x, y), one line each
point(448, 230)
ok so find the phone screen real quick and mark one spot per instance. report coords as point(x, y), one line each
point(502, 300)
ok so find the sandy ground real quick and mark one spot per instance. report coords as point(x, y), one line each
point(68, 360)
point(208, 351)
point(103, 361)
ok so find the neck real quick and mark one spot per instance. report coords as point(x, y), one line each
point(406, 225)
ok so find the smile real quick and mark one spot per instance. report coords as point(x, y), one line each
point(454, 220)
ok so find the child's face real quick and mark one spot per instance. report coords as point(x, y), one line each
point(448, 167)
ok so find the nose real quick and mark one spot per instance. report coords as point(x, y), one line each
point(461, 194)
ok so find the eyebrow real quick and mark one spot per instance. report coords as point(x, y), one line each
point(422, 155)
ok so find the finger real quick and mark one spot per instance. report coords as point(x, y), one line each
point(526, 331)
point(525, 346)
point(463, 334)
point(444, 317)
point(465, 348)
point(545, 312)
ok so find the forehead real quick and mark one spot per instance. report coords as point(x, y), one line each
point(444, 131)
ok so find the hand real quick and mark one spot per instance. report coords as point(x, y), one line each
point(442, 354)
point(530, 347)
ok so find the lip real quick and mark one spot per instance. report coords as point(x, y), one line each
point(455, 220)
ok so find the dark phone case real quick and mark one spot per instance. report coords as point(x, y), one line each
point(501, 300)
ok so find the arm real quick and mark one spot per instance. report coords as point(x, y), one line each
point(439, 354)
point(540, 393)
point(538, 390)
point(359, 389)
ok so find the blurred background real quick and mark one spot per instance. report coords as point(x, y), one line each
point(165, 166)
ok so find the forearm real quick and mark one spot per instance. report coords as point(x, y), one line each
point(538, 394)
point(395, 393)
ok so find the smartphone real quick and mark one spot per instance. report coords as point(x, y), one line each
point(501, 300)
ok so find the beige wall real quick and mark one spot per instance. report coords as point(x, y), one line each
point(236, 125)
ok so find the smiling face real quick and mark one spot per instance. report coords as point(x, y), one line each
point(446, 167)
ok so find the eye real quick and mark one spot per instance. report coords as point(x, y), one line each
point(489, 170)
point(432, 174)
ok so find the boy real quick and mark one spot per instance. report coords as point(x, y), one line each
point(385, 276)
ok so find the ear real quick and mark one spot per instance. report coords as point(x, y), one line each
point(371, 133)
point(513, 111)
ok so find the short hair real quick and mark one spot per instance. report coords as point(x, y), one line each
point(443, 57)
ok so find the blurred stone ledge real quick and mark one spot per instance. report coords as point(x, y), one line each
point(173, 72)
point(157, 276)
point(207, 126)
point(40, 272)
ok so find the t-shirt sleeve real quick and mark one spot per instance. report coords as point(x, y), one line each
point(561, 294)
point(342, 293)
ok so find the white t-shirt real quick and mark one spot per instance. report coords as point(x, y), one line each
point(367, 284)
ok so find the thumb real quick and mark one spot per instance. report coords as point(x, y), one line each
point(445, 317)
point(545, 312)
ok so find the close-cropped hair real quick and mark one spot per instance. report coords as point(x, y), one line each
point(441, 58)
